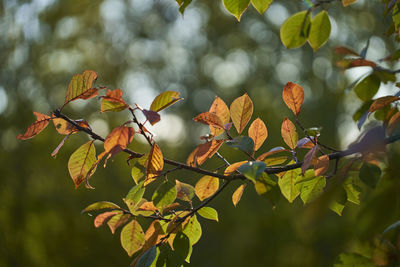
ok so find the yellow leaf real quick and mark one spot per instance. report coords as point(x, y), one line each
point(155, 164)
point(81, 162)
point(102, 218)
point(191, 160)
point(241, 110)
point(164, 100)
point(113, 101)
point(293, 95)
point(132, 237)
point(258, 132)
point(237, 195)
point(219, 108)
point(206, 187)
point(80, 86)
point(233, 167)
point(289, 134)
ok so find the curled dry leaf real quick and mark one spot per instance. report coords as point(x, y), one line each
point(258, 132)
point(113, 101)
point(237, 195)
point(293, 95)
point(209, 119)
point(382, 102)
point(219, 108)
point(155, 164)
point(191, 160)
point(322, 165)
point(80, 86)
point(39, 125)
point(289, 133)
point(241, 110)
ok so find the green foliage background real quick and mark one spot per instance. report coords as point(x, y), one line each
point(144, 47)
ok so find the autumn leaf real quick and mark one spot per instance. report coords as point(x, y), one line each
point(132, 237)
point(293, 95)
point(207, 150)
point(342, 50)
point(233, 167)
point(100, 206)
point(308, 158)
point(209, 119)
point(153, 234)
point(39, 125)
point(241, 110)
point(206, 187)
point(102, 218)
point(219, 108)
point(155, 164)
point(271, 152)
point(237, 195)
point(258, 132)
point(118, 140)
point(113, 101)
point(322, 165)
point(393, 122)
point(348, 2)
point(382, 102)
point(289, 134)
point(80, 87)
point(352, 63)
point(191, 159)
point(185, 191)
point(164, 100)
point(152, 116)
point(64, 127)
point(80, 164)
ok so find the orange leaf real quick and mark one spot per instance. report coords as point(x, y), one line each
point(348, 2)
point(206, 187)
point(209, 119)
point(394, 120)
point(289, 134)
point(155, 164)
point(341, 50)
point(271, 152)
point(153, 235)
point(293, 95)
point(63, 127)
point(41, 122)
point(258, 132)
point(237, 195)
point(322, 165)
point(233, 167)
point(80, 86)
point(220, 109)
point(241, 110)
point(191, 160)
point(382, 102)
point(104, 217)
point(351, 63)
point(308, 158)
point(118, 139)
point(147, 206)
point(207, 150)
point(113, 101)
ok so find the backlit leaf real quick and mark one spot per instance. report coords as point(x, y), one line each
point(243, 143)
point(341, 50)
point(209, 118)
point(132, 237)
point(207, 150)
point(367, 88)
point(208, 213)
point(185, 191)
point(289, 133)
point(348, 2)
point(337, 208)
point(320, 30)
point(311, 189)
point(100, 206)
point(80, 86)
point(191, 160)
point(153, 234)
point(237, 195)
point(219, 108)
point(271, 152)
point(322, 165)
point(134, 196)
point(264, 184)
point(293, 95)
point(258, 132)
point(164, 100)
point(113, 101)
point(41, 122)
point(81, 162)
point(136, 174)
point(118, 139)
point(382, 102)
point(353, 195)
point(147, 206)
point(164, 195)
point(117, 221)
point(155, 164)
point(308, 159)
point(236, 7)
point(276, 160)
point(393, 122)
point(65, 128)
point(294, 31)
point(193, 230)
point(241, 110)
point(287, 184)
point(206, 187)
point(102, 218)
point(261, 5)
point(252, 169)
point(233, 167)
point(353, 259)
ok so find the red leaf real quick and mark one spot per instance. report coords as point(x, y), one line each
point(118, 139)
point(41, 122)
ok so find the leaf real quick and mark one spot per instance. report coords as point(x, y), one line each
point(288, 186)
point(136, 174)
point(147, 206)
point(209, 118)
point(264, 184)
point(118, 139)
point(39, 125)
point(113, 101)
point(147, 257)
point(242, 143)
point(322, 165)
point(164, 195)
point(293, 95)
point(219, 108)
point(80, 164)
point(276, 160)
point(155, 164)
point(341, 50)
point(164, 100)
point(382, 102)
point(261, 5)
point(348, 2)
point(185, 192)
point(241, 110)
point(193, 230)
point(117, 221)
point(252, 169)
point(152, 116)
point(191, 160)
point(289, 134)
point(393, 122)
point(153, 234)
point(353, 195)
point(311, 189)
point(370, 174)
point(305, 142)
point(207, 150)
point(353, 259)
point(320, 30)
point(272, 151)
point(233, 167)
point(182, 245)
point(308, 158)
point(336, 207)
point(358, 62)
point(183, 4)
point(258, 132)
point(206, 187)
point(237, 195)
point(132, 237)
point(134, 196)
point(367, 88)
point(65, 128)
point(104, 217)
point(100, 206)
point(236, 7)
point(80, 86)
point(294, 31)
point(208, 213)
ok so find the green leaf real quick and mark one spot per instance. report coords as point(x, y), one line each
point(261, 5)
point(367, 88)
point(81, 162)
point(193, 230)
point(182, 245)
point(132, 237)
point(164, 195)
point(243, 143)
point(264, 184)
point(353, 195)
point(164, 100)
point(311, 189)
point(337, 207)
point(294, 31)
point(185, 191)
point(236, 7)
point(320, 30)
point(353, 260)
point(287, 184)
point(102, 205)
point(136, 174)
point(183, 5)
point(148, 257)
point(208, 213)
point(80, 86)
point(134, 196)
point(370, 174)
point(252, 169)
point(118, 220)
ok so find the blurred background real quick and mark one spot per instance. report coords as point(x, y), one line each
point(145, 47)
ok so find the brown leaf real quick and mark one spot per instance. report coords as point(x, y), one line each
point(113, 101)
point(322, 165)
point(209, 119)
point(341, 50)
point(393, 122)
point(170, 207)
point(184, 191)
point(241, 110)
point(237, 195)
point(80, 86)
point(382, 102)
point(308, 158)
point(271, 152)
point(191, 160)
point(351, 63)
point(207, 150)
point(152, 116)
point(155, 164)
point(153, 235)
point(293, 95)
point(102, 218)
point(219, 108)
point(39, 125)
point(258, 132)
point(206, 187)
point(289, 134)
point(233, 167)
